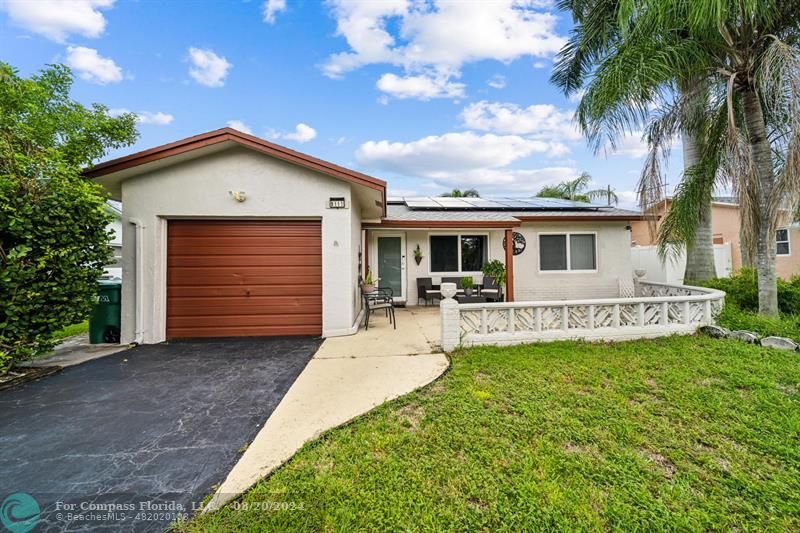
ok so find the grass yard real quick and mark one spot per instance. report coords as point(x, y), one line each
point(676, 433)
point(70, 331)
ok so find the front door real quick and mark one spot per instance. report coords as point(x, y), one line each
point(392, 264)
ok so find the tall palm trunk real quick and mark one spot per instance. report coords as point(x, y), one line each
point(761, 157)
point(700, 255)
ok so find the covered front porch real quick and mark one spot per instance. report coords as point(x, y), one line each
point(405, 258)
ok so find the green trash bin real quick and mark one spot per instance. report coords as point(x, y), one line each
point(104, 324)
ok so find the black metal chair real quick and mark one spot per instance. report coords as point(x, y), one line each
point(425, 290)
point(374, 302)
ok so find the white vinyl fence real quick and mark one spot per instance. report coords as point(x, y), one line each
point(657, 310)
point(671, 271)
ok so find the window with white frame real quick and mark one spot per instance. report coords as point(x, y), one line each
point(782, 242)
point(458, 253)
point(567, 251)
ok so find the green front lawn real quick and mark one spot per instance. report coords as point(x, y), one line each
point(677, 433)
point(71, 331)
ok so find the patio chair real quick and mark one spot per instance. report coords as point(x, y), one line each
point(379, 293)
point(425, 290)
point(374, 303)
point(491, 290)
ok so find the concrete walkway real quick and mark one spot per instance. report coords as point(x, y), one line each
point(347, 377)
point(76, 350)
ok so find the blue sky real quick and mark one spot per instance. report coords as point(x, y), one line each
point(428, 96)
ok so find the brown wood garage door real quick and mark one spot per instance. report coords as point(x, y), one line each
point(243, 278)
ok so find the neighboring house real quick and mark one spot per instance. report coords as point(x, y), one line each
point(114, 269)
point(725, 225)
point(226, 234)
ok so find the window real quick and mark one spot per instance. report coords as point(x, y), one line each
point(782, 242)
point(473, 252)
point(444, 253)
point(458, 253)
point(567, 251)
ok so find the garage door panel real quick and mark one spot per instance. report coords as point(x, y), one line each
point(240, 278)
point(198, 229)
point(225, 246)
point(229, 321)
point(255, 305)
point(193, 291)
point(240, 275)
point(243, 331)
point(232, 260)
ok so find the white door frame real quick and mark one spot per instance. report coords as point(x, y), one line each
point(374, 263)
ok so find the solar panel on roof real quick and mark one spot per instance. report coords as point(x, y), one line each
point(421, 203)
point(559, 202)
point(452, 203)
point(511, 203)
point(497, 204)
point(483, 203)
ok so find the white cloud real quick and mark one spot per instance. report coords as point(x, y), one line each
point(145, 117)
point(302, 133)
point(540, 64)
point(440, 36)
point(272, 8)
point(628, 199)
point(439, 156)
point(542, 121)
point(576, 97)
point(401, 192)
point(509, 182)
point(208, 68)
point(498, 81)
point(631, 145)
point(57, 19)
point(158, 118)
point(423, 87)
point(239, 125)
point(93, 67)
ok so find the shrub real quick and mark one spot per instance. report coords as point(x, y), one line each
point(742, 291)
point(53, 238)
point(54, 246)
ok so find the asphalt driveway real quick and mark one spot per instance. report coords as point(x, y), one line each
point(155, 426)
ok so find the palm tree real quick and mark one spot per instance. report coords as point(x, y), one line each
point(595, 37)
point(458, 193)
point(575, 190)
point(747, 55)
point(609, 195)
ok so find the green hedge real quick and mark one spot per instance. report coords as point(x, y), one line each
point(741, 304)
point(742, 290)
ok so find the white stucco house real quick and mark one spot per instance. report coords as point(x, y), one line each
point(227, 234)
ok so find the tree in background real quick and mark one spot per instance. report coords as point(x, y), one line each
point(458, 193)
point(607, 195)
point(53, 237)
point(747, 126)
point(575, 190)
